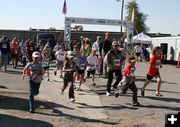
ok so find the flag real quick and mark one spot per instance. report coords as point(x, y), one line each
point(64, 11)
point(132, 16)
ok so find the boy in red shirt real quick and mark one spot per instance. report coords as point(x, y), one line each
point(128, 81)
point(153, 70)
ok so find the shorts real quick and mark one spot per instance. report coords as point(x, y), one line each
point(46, 68)
point(149, 77)
point(91, 71)
point(14, 56)
point(80, 71)
point(138, 54)
point(59, 64)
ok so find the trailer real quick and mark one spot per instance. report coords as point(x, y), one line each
point(170, 47)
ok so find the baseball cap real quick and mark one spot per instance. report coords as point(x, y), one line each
point(115, 43)
point(36, 54)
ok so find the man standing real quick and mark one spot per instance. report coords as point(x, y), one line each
point(5, 51)
point(96, 47)
point(114, 60)
point(105, 48)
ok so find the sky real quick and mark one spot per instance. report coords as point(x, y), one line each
point(163, 15)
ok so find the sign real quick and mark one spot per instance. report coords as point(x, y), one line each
point(69, 20)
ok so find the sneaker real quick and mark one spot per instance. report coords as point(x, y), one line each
point(72, 99)
point(31, 110)
point(108, 94)
point(158, 94)
point(142, 92)
point(79, 89)
point(115, 87)
point(55, 72)
point(135, 104)
point(116, 94)
point(93, 84)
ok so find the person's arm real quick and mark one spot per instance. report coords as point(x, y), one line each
point(109, 61)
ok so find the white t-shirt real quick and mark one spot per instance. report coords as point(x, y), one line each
point(95, 46)
point(137, 49)
point(93, 61)
point(60, 55)
point(57, 47)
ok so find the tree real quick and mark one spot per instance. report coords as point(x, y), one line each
point(139, 17)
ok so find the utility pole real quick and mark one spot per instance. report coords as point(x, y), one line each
point(122, 8)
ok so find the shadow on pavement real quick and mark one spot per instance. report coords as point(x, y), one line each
point(111, 107)
point(16, 103)
point(3, 87)
point(13, 121)
point(84, 119)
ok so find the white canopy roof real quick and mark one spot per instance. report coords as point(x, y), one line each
point(142, 38)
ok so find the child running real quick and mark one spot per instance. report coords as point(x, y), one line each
point(91, 65)
point(45, 63)
point(59, 61)
point(35, 78)
point(81, 67)
point(69, 69)
point(128, 81)
point(153, 70)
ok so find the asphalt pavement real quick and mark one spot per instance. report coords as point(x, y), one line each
point(93, 104)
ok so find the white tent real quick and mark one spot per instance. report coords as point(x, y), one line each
point(142, 38)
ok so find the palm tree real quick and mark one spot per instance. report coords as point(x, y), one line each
point(139, 17)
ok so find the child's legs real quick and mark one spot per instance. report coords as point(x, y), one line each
point(64, 85)
point(48, 72)
point(71, 90)
point(93, 73)
point(158, 78)
point(36, 88)
point(31, 94)
point(134, 89)
point(147, 82)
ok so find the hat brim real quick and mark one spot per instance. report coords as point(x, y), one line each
point(70, 57)
point(132, 61)
point(35, 56)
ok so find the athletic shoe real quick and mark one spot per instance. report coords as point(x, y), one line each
point(55, 72)
point(93, 84)
point(108, 94)
point(158, 94)
point(116, 94)
point(31, 110)
point(135, 104)
point(142, 92)
point(72, 99)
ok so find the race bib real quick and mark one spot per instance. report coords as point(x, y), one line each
point(82, 66)
point(132, 72)
point(117, 62)
point(4, 46)
point(158, 63)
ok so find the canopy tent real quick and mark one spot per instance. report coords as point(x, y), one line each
point(142, 38)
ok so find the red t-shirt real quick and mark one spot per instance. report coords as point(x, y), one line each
point(129, 71)
point(154, 60)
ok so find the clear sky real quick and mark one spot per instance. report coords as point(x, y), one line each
point(163, 15)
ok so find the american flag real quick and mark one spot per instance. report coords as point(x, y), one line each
point(64, 11)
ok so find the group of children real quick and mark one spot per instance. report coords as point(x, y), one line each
point(73, 64)
point(128, 80)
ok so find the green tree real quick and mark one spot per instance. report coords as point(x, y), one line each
point(139, 17)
